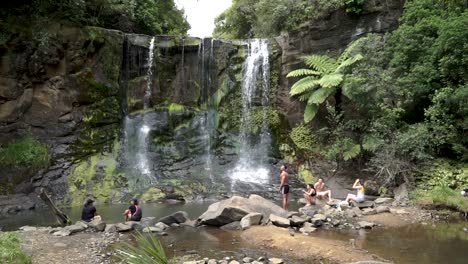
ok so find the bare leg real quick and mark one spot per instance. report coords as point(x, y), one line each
point(308, 199)
point(350, 197)
point(328, 193)
point(285, 201)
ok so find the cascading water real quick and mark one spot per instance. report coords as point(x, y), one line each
point(254, 150)
point(137, 128)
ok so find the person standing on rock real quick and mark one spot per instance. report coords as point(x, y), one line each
point(89, 213)
point(320, 188)
point(133, 213)
point(284, 187)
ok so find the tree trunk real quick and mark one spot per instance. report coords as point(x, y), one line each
point(62, 218)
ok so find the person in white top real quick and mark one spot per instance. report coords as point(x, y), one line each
point(359, 197)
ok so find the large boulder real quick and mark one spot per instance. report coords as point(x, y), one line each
point(297, 220)
point(383, 200)
point(371, 187)
point(236, 207)
point(175, 218)
point(148, 221)
point(98, 225)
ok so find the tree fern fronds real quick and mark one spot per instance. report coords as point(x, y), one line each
point(310, 112)
point(320, 95)
point(303, 85)
point(323, 64)
point(302, 72)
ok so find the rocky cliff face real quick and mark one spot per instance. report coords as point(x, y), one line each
point(330, 35)
point(83, 96)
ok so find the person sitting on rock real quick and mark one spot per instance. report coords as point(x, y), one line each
point(89, 213)
point(320, 188)
point(359, 197)
point(309, 194)
point(134, 212)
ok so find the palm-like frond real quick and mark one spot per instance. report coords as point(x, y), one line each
point(302, 72)
point(304, 97)
point(323, 64)
point(149, 250)
point(348, 62)
point(330, 80)
point(310, 112)
point(303, 85)
point(351, 151)
point(347, 52)
point(320, 95)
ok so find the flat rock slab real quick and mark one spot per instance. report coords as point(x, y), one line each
point(121, 227)
point(365, 204)
point(297, 220)
point(383, 200)
point(275, 261)
point(279, 221)
point(382, 209)
point(366, 225)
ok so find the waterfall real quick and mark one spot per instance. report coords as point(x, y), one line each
point(254, 149)
point(137, 128)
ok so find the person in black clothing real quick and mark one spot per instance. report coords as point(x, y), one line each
point(133, 213)
point(89, 213)
point(310, 194)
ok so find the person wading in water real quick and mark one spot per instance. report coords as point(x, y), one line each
point(284, 187)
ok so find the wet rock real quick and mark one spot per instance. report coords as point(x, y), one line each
point(62, 233)
point(383, 200)
point(78, 227)
point(366, 225)
point(307, 229)
point(148, 221)
point(275, 261)
point(297, 220)
point(110, 228)
point(161, 226)
point(97, 225)
point(369, 211)
point(135, 225)
point(175, 218)
point(152, 229)
point(279, 221)
point(232, 226)
point(382, 209)
point(121, 227)
point(247, 260)
point(293, 213)
point(28, 228)
point(236, 207)
point(250, 220)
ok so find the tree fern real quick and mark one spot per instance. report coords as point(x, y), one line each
point(347, 52)
point(320, 63)
point(351, 151)
point(302, 72)
point(320, 95)
point(348, 62)
point(330, 80)
point(303, 85)
point(310, 112)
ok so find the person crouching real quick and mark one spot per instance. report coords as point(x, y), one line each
point(134, 212)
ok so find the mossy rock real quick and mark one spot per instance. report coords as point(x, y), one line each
point(305, 174)
point(153, 195)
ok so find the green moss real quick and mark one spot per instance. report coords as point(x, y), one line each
point(152, 195)
point(25, 152)
point(97, 176)
point(10, 249)
point(176, 108)
point(305, 174)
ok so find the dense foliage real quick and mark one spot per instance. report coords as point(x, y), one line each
point(267, 18)
point(24, 152)
point(139, 16)
point(407, 96)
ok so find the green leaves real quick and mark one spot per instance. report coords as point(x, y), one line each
point(310, 112)
point(304, 85)
point(320, 95)
point(323, 64)
point(302, 72)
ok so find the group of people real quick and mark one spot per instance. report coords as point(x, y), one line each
point(316, 190)
point(133, 213)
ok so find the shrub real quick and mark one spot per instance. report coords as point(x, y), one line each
point(147, 250)
point(25, 152)
point(442, 196)
point(10, 250)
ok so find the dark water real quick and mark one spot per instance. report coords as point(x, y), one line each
point(109, 213)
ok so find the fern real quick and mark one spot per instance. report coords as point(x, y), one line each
point(302, 72)
point(320, 95)
point(351, 151)
point(349, 62)
point(347, 52)
point(303, 85)
point(320, 63)
point(310, 112)
point(330, 80)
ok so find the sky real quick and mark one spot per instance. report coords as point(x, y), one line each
point(201, 14)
